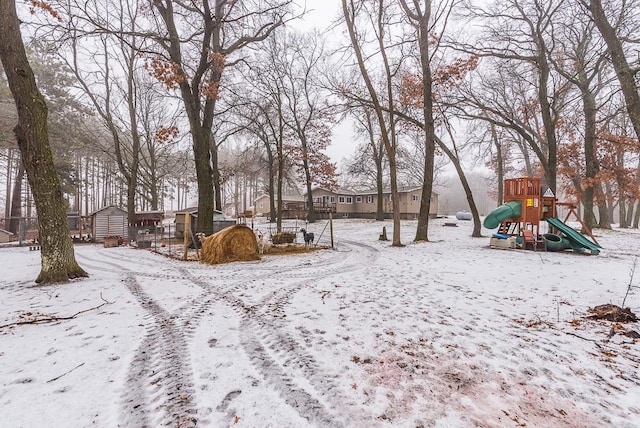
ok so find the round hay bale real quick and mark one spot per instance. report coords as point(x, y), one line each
point(232, 244)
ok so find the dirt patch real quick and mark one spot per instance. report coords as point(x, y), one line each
point(274, 250)
point(612, 313)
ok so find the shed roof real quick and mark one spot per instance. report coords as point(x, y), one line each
point(149, 215)
point(108, 207)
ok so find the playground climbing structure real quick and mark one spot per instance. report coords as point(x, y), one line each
point(526, 203)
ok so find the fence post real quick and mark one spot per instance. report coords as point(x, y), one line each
point(187, 230)
point(331, 227)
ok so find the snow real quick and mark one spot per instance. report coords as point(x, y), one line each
point(448, 333)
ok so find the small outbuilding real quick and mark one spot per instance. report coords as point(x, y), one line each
point(149, 221)
point(109, 221)
point(5, 236)
point(220, 221)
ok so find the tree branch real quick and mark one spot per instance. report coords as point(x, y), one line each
point(52, 318)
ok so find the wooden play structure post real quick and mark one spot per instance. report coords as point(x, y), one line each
point(572, 211)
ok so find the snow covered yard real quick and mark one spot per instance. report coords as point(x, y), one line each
point(449, 333)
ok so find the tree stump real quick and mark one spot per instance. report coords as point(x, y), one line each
point(383, 235)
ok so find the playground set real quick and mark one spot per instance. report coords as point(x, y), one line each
point(526, 205)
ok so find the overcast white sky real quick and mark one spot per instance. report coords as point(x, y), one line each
point(320, 14)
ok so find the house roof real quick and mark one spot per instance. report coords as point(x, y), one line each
point(338, 191)
point(401, 189)
point(6, 232)
point(285, 198)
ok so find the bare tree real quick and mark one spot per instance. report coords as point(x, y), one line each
point(581, 62)
point(420, 19)
point(626, 74)
point(194, 63)
point(159, 134)
point(309, 113)
point(383, 104)
point(263, 115)
point(517, 36)
point(58, 263)
point(107, 89)
point(372, 152)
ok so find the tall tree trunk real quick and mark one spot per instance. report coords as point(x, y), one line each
point(377, 151)
point(626, 75)
point(200, 118)
point(500, 162)
point(77, 203)
point(216, 179)
point(380, 190)
point(622, 211)
point(273, 172)
point(477, 224)
point(279, 190)
point(58, 263)
point(622, 190)
point(636, 218)
point(7, 198)
point(16, 201)
point(605, 207)
point(131, 174)
point(589, 109)
point(311, 215)
point(551, 166)
point(421, 22)
point(204, 177)
point(387, 137)
point(629, 219)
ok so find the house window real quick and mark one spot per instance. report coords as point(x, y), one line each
point(414, 198)
point(341, 199)
point(332, 199)
point(261, 204)
point(349, 200)
point(369, 199)
point(358, 199)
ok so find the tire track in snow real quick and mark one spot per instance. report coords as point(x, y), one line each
point(276, 354)
point(160, 378)
point(161, 361)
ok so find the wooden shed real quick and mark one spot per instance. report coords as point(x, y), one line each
point(220, 221)
point(5, 236)
point(149, 220)
point(109, 221)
